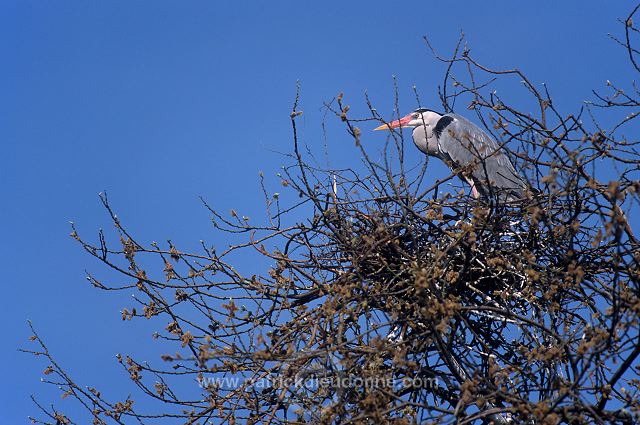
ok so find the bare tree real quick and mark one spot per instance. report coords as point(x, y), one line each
point(394, 298)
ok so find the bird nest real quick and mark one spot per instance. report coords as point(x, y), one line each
point(399, 263)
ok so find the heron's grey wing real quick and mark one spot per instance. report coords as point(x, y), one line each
point(467, 145)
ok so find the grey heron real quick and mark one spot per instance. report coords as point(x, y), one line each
point(468, 150)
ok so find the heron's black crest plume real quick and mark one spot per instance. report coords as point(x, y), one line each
point(442, 124)
point(421, 110)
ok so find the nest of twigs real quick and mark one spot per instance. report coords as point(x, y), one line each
point(475, 257)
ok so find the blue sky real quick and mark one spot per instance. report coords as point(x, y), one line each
point(161, 102)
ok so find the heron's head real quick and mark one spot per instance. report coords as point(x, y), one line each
point(421, 117)
point(422, 121)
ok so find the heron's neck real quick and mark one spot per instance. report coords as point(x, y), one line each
point(426, 140)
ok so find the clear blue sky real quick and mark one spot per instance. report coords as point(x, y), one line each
point(159, 102)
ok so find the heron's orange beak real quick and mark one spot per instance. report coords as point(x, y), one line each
point(394, 124)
